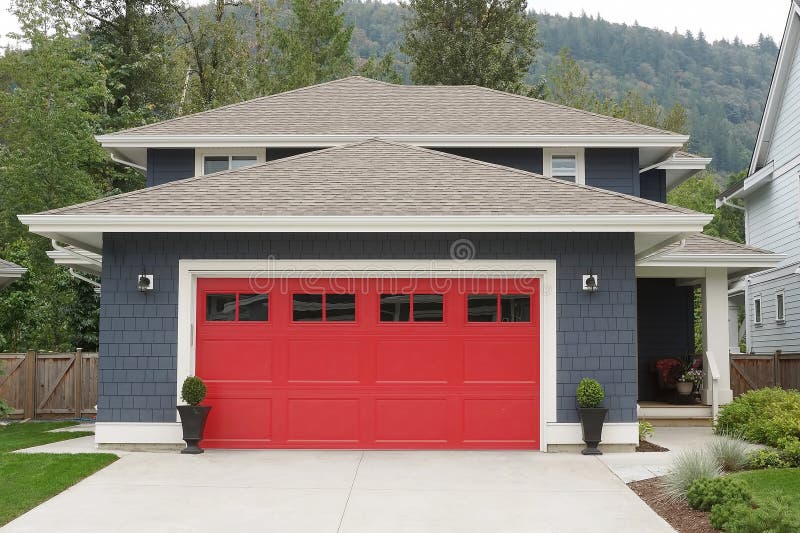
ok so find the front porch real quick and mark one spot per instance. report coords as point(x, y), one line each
point(682, 320)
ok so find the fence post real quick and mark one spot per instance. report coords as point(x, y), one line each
point(77, 371)
point(776, 366)
point(30, 385)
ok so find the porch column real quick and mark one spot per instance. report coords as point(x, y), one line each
point(733, 326)
point(715, 333)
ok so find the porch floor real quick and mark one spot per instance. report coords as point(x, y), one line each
point(667, 414)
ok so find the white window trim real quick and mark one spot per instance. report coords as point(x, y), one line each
point(547, 162)
point(199, 155)
point(780, 319)
point(758, 317)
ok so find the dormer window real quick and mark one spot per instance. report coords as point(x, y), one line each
point(564, 163)
point(217, 160)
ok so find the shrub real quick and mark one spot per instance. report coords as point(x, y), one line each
point(193, 390)
point(790, 450)
point(703, 494)
point(646, 430)
point(731, 453)
point(590, 393)
point(765, 416)
point(766, 458)
point(5, 409)
point(774, 516)
point(688, 467)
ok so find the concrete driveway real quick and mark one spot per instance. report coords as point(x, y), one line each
point(347, 491)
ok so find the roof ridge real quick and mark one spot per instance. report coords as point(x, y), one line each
point(243, 102)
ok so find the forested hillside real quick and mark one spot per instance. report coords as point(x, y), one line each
point(722, 84)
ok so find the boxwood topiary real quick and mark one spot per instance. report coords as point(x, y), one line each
point(590, 393)
point(193, 390)
point(703, 494)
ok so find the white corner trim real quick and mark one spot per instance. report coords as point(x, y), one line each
point(123, 140)
point(138, 433)
point(613, 433)
point(189, 270)
point(580, 162)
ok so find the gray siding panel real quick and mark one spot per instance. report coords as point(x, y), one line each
point(772, 335)
point(169, 164)
point(615, 169)
point(653, 185)
point(528, 159)
point(665, 328)
point(596, 333)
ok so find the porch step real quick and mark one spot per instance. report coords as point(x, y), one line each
point(663, 414)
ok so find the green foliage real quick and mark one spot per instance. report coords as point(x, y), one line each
point(646, 430)
point(20, 435)
point(699, 193)
point(688, 467)
point(731, 453)
point(590, 393)
point(193, 390)
point(766, 458)
point(703, 494)
point(766, 416)
point(773, 516)
point(314, 46)
point(382, 69)
point(491, 44)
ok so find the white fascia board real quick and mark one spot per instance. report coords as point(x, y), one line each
point(69, 224)
point(289, 141)
point(756, 181)
point(680, 163)
point(714, 260)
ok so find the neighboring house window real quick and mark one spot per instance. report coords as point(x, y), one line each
point(757, 310)
point(565, 164)
point(780, 314)
point(213, 160)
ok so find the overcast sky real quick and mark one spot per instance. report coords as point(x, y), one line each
point(717, 18)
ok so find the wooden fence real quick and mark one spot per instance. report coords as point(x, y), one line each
point(49, 385)
point(755, 371)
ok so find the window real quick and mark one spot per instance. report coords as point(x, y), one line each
point(232, 307)
point(508, 307)
point(780, 314)
point(324, 307)
point(757, 310)
point(218, 163)
point(408, 308)
point(564, 164)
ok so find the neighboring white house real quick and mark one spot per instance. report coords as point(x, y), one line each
point(771, 196)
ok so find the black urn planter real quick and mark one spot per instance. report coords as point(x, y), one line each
point(193, 420)
point(592, 424)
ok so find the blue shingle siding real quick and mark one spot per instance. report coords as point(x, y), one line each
point(169, 164)
point(653, 185)
point(274, 154)
point(528, 159)
point(615, 169)
point(596, 332)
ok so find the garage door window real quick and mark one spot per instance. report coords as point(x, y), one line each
point(506, 307)
point(230, 307)
point(324, 307)
point(412, 308)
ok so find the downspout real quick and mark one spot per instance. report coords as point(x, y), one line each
point(72, 272)
point(91, 282)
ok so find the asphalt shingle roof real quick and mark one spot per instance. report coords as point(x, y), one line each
point(361, 106)
point(377, 178)
point(701, 244)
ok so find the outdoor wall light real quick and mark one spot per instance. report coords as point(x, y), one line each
point(590, 282)
point(144, 282)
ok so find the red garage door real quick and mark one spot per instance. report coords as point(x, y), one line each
point(370, 363)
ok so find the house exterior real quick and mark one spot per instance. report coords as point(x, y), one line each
point(771, 196)
point(10, 272)
point(359, 264)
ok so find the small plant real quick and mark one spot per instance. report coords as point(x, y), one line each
point(731, 453)
point(193, 390)
point(687, 468)
point(692, 375)
point(703, 494)
point(774, 516)
point(766, 458)
point(646, 430)
point(590, 394)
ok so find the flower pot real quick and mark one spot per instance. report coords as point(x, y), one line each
point(193, 420)
point(685, 388)
point(592, 425)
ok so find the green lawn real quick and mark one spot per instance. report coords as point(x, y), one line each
point(26, 480)
point(19, 436)
point(766, 484)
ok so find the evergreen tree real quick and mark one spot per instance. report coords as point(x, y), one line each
point(381, 69)
point(460, 42)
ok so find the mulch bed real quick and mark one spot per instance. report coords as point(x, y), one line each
point(679, 515)
point(645, 446)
